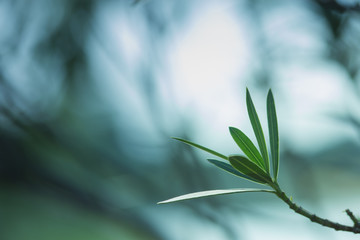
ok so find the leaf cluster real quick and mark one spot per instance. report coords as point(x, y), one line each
point(254, 165)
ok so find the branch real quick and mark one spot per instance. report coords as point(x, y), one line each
point(322, 221)
point(353, 218)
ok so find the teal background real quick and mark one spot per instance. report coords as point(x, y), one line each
point(91, 93)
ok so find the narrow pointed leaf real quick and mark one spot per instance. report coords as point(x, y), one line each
point(273, 133)
point(247, 167)
point(213, 193)
point(255, 122)
point(202, 148)
point(227, 167)
point(247, 146)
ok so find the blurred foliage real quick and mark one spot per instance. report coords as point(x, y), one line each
point(75, 166)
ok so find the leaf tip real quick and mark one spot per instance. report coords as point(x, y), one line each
point(248, 98)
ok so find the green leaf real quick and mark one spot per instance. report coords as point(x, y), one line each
point(202, 148)
point(247, 146)
point(273, 133)
point(255, 122)
point(213, 193)
point(247, 167)
point(227, 167)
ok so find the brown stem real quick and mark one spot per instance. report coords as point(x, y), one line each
point(316, 219)
point(353, 218)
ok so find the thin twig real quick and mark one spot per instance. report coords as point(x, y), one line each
point(316, 219)
point(353, 218)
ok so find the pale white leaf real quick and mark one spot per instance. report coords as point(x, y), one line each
point(213, 193)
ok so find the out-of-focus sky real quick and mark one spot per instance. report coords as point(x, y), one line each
point(92, 91)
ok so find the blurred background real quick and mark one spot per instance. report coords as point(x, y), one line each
point(91, 92)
